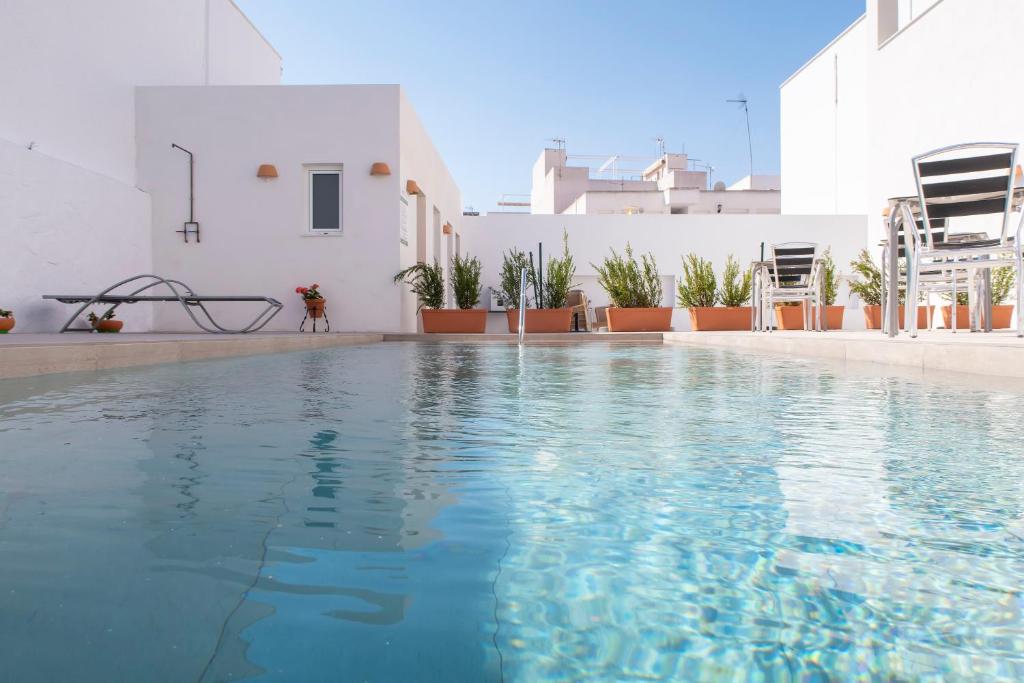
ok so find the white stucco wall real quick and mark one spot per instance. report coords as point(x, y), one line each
point(420, 161)
point(668, 237)
point(70, 68)
point(66, 230)
point(254, 238)
point(824, 130)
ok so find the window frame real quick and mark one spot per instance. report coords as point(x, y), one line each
point(312, 170)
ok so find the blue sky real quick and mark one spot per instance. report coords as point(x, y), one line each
point(494, 81)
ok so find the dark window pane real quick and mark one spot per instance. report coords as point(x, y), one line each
point(326, 204)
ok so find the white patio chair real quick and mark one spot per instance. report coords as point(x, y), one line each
point(792, 273)
point(973, 181)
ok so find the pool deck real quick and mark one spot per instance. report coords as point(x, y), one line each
point(999, 353)
point(27, 354)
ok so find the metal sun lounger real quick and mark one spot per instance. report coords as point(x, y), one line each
point(179, 292)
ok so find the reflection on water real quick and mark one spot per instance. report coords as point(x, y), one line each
point(445, 512)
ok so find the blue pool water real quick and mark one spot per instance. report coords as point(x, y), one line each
point(466, 513)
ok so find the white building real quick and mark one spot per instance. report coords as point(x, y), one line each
point(668, 185)
point(905, 78)
point(92, 192)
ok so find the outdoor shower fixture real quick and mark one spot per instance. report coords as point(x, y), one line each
point(191, 226)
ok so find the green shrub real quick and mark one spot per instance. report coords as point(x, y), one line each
point(698, 288)
point(830, 276)
point(427, 284)
point(630, 284)
point(558, 280)
point(466, 281)
point(736, 288)
point(511, 273)
point(1003, 279)
point(868, 283)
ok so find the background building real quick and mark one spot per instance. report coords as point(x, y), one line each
point(668, 185)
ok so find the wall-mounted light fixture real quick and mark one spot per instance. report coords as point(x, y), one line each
point(380, 168)
point(266, 171)
point(447, 228)
point(412, 188)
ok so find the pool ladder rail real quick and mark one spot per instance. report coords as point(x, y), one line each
point(522, 306)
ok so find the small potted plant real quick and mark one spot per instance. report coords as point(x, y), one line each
point(830, 291)
point(1002, 283)
point(313, 299)
point(868, 286)
point(105, 323)
point(552, 315)
point(635, 291)
point(6, 321)
point(427, 283)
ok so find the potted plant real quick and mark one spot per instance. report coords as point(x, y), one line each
point(635, 292)
point(868, 286)
point(553, 315)
point(698, 292)
point(106, 322)
point(830, 292)
point(790, 316)
point(314, 301)
point(1002, 283)
point(6, 321)
point(427, 283)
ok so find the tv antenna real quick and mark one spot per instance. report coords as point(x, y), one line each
point(660, 142)
point(559, 142)
point(743, 102)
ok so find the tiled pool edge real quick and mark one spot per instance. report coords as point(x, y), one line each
point(30, 360)
point(978, 355)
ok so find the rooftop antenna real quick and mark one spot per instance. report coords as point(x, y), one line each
point(559, 142)
point(660, 142)
point(742, 101)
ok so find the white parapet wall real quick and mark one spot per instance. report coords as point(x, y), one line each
point(66, 230)
point(667, 237)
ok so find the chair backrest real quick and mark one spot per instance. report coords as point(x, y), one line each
point(974, 179)
point(792, 263)
point(576, 297)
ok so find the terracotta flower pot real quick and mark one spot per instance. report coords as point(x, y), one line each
point(873, 317)
point(6, 325)
point(792, 317)
point(720, 318)
point(315, 307)
point(540, 320)
point(834, 317)
point(1000, 317)
point(454, 320)
point(639, 319)
point(108, 326)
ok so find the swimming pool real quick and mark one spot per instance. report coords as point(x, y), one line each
point(403, 512)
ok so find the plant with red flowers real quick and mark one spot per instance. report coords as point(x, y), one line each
point(309, 293)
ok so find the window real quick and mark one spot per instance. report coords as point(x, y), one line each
point(324, 213)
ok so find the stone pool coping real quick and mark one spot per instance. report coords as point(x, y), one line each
point(997, 354)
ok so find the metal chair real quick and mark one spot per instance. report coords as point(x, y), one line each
point(974, 181)
point(792, 273)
